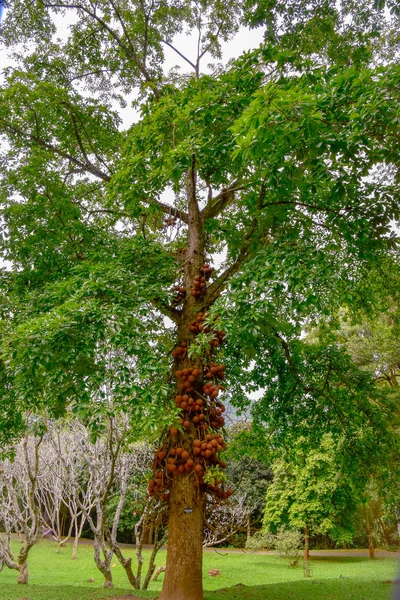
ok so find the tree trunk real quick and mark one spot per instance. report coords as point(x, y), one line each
point(23, 564)
point(75, 547)
point(369, 536)
point(78, 533)
point(150, 533)
point(248, 526)
point(103, 565)
point(183, 575)
point(152, 565)
point(386, 532)
point(126, 563)
point(306, 542)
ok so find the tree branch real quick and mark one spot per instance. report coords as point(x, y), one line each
point(179, 53)
point(130, 52)
point(169, 210)
point(221, 201)
point(89, 167)
point(217, 287)
point(166, 310)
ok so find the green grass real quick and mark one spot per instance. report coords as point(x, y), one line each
point(243, 577)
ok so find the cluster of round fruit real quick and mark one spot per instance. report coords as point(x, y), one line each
point(207, 270)
point(214, 371)
point(179, 459)
point(197, 325)
point(188, 377)
point(158, 485)
point(207, 448)
point(199, 286)
point(212, 390)
point(180, 294)
point(215, 416)
point(180, 350)
point(218, 340)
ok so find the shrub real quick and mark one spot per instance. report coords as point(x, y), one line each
point(288, 543)
point(262, 540)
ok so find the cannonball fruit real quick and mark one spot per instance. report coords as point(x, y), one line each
point(194, 444)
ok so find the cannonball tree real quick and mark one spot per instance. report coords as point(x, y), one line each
point(152, 264)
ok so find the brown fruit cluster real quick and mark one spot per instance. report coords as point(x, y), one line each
point(218, 339)
point(199, 286)
point(158, 485)
point(207, 271)
point(180, 294)
point(197, 325)
point(215, 371)
point(179, 460)
point(197, 409)
point(201, 414)
point(180, 350)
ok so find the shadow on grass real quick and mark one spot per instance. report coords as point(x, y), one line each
point(310, 589)
point(345, 559)
point(338, 588)
point(65, 592)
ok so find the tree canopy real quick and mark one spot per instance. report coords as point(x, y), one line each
point(280, 168)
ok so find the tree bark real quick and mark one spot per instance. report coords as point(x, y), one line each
point(369, 535)
point(385, 530)
point(183, 575)
point(23, 564)
point(104, 566)
point(306, 542)
point(78, 533)
point(150, 534)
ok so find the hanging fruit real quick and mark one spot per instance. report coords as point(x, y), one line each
point(199, 412)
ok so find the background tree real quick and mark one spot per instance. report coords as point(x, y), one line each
point(19, 508)
point(312, 492)
point(272, 160)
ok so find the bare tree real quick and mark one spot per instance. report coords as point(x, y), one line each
point(56, 496)
point(224, 520)
point(64, 473)
point(19, 509)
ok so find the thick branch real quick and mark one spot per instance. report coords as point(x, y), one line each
point(166, 310)
point(170, 210)
point(220, 202)
point(89, 167)
point(218, 286)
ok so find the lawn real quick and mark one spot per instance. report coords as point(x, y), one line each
point(243, 577)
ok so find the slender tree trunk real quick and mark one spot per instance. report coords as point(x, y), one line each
point(183, 575)
point(75, 547)
point(23, 564)
point(149, 532)
point(369, 535)
point(152, 565)
point(385, 531)
point(306, 542)
point(104, 566)
point(248, 525)
point(78, 533)
point(6, 553)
